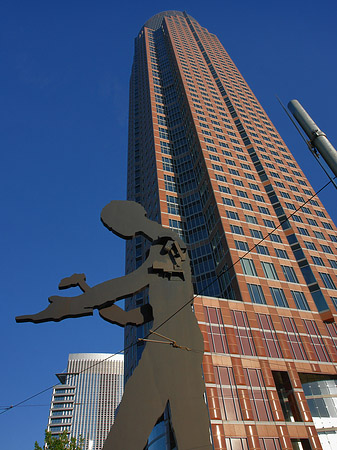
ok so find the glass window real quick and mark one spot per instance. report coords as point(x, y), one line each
point(280, 253)
point(334, 301)
point(310, 245)
point(236, 229)
point(228, 393)
point(316, 340)
point(173, 205)
point(263, 210)
point(220, 177)
point(319, 235)
point(275, 238)
point(332, 329)
point(258, 395)
point(234, 172)
point(312, 222)
point(279, 297)
point(270, 341)
point(290, 206)
point(303, 231)
point(289, 274)
point(247, 206)
point(254, 186)
point(242, 194)
point(269, 223)
point(228, 201)
point(256, 233)
point(217, 167)
point(326, 249)
point(240, 245)
point(327, 280)
point(269, 270)
point(256, 293)
point(215, 330)
point(262, 249)
point(258, 198)
point(293, 338)
point(224, 189)
point(270, 444)
point(237, 182)
point(300, 300)
point(318, 261)
point(319, 300)
point(251, 219)
point(248, 267)
point(236, 444)
point(243, 333)
point(232, 215)
point(297, 218)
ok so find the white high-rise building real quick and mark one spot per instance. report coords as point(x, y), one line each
point(85, 403)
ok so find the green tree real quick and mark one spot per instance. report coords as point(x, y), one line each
point(61, 442)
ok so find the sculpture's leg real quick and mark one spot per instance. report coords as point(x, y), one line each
point(140, 408)
point(189, 415)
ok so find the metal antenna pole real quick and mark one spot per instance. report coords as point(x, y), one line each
point(316, 137)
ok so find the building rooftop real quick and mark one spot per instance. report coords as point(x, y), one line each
point(155, 21)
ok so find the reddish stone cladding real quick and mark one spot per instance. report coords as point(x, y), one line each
point(204, 71)
point(226, 130)
point(233, 417)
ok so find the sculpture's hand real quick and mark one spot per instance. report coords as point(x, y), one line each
point(101, 296)
point(60, 308)
point(114, 314)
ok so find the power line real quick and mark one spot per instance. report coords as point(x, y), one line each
point(44, 404)
point(182, 307)
point(245, 254)
point(51, 387)
point(26, 400)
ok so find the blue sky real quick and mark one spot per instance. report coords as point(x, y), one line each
point(63, 133)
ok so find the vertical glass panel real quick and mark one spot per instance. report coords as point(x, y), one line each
point(270, 341)
point(256, 293)
point(293, 338)
point(243, 333)
point(228, 394)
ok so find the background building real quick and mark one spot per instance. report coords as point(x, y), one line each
point(85, 403)
point(205, 160)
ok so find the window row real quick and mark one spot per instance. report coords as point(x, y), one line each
point(305, 346)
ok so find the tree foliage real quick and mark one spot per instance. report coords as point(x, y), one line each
point(61, 442)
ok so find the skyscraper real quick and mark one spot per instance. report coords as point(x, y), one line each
point(85, 403)
point(205, 160)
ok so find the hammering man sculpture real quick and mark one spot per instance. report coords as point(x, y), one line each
point(165, 373)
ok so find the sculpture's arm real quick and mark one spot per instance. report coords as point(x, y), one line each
point(101, 296)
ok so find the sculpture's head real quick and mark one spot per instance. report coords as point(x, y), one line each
point(126, 219)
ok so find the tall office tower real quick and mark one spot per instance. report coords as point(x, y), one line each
point(85, 403)
point(205, 160)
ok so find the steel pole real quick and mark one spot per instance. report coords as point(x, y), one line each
point(317, 138)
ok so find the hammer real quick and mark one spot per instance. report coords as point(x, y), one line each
point(76, 279)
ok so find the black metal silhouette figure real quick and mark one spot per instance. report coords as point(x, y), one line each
point(165, 373)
